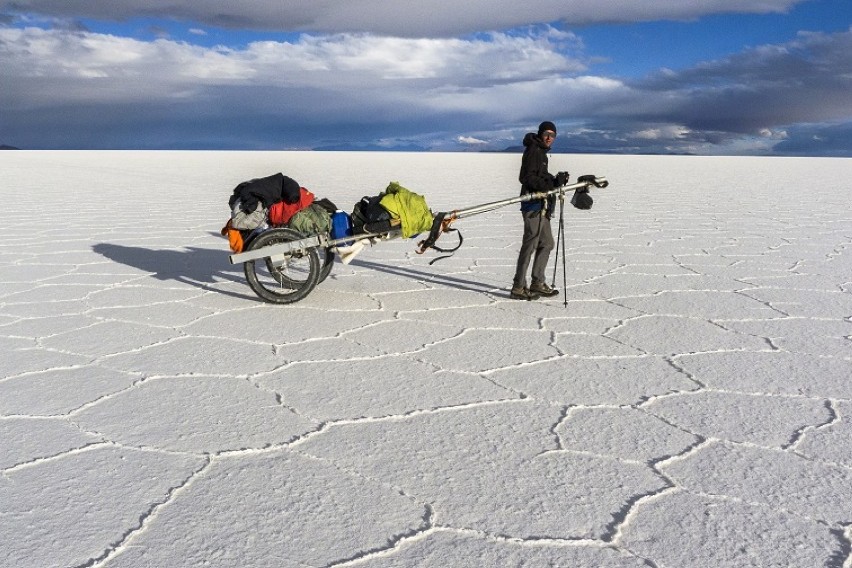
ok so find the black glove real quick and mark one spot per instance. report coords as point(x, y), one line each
point(561, 179)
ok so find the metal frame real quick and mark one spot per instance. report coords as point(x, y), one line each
point(302, 245)
point(486, 207)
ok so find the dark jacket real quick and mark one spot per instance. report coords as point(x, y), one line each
point(534, 176)
point(268, 190)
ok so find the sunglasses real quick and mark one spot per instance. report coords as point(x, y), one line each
point(548, 134)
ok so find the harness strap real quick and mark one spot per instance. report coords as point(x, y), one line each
point(451, 250)
point(440, 224)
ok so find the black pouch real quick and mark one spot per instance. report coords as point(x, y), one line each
point(582, 199)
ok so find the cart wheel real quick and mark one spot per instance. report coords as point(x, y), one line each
point(283, 278)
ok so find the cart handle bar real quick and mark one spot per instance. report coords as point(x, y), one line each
point(443, 221)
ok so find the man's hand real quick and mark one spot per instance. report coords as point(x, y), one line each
point(561, 179)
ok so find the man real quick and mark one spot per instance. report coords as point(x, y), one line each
point(538, 238)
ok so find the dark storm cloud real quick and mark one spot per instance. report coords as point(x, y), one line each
point(807, 80)
point(831, 140)
point(406, 18)
point(748, 102)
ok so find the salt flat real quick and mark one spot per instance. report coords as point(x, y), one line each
point(691, 406)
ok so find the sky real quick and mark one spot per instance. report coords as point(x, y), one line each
point(707, 77)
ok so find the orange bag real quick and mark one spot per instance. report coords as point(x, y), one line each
point(235, 237)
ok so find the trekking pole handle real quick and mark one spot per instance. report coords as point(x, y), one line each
point(583, 182)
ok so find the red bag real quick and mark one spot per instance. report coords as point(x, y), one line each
point(281, 212)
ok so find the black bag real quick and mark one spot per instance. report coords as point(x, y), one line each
point(582, 199)
point(326, 204)
point(369, 211)
point(372, 209)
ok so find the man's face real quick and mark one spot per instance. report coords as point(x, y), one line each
point(548, 136)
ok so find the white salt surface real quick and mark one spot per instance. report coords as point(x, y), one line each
point(690, 407)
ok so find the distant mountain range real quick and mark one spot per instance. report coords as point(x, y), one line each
point(369, 148)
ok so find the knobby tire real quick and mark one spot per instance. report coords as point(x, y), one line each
point(283, 279)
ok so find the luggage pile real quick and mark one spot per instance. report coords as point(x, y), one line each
point(274, 201)
point(279, 201)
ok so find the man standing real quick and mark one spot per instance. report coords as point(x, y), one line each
point(538, 238)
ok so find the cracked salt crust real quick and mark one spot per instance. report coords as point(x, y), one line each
point(690, 406)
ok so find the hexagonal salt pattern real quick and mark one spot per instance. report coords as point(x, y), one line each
point(684, 401)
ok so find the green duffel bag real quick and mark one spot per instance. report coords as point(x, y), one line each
point(312, 220)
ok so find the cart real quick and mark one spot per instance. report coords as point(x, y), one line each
point(283, 266)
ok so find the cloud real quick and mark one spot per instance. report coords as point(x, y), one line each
point(343, 81)
point(744, 102)
point(806, 80)
point(71, 88)
point(666, 132)
point(830, 140)
point(400, 18)
point(335, 62)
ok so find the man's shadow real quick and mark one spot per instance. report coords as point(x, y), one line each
point(200, 267)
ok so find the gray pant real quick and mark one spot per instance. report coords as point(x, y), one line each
point(538, 239)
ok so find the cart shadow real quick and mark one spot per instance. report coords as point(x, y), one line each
point(408, 272)
point(200, 267)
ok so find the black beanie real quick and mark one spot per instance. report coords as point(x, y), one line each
point(546, 125)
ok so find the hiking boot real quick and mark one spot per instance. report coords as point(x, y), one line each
point(543, 289)
point(522, 294)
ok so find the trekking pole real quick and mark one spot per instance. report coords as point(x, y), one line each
point(560, 245)
point(564, 268)
point(558, 235)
